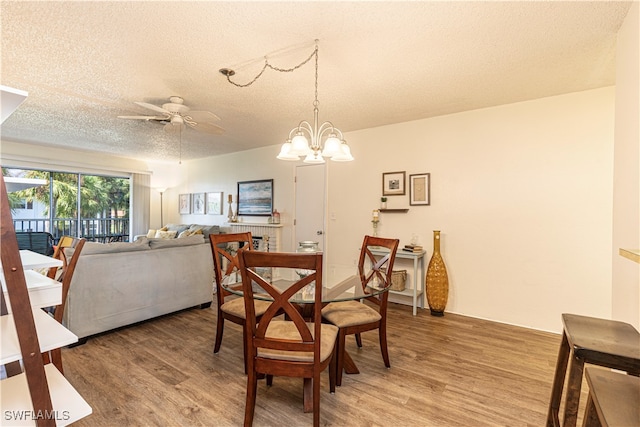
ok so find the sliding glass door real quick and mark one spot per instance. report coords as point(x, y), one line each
point(91, 206)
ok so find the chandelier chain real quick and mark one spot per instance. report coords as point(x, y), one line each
point(281, 70)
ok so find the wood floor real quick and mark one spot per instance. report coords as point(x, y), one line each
point(445, 371)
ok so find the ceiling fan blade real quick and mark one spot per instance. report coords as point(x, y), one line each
point(206, 127)
point(201, 116)
point(144, 117)
point(153, 107)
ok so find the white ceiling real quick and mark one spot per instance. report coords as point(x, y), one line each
point(85, 63)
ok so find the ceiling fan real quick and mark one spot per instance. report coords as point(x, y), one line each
point(176, 115)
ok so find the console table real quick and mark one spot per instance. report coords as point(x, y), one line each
point(418, 266)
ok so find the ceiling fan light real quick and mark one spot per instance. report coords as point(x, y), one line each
point(344, 155)
point(300, 145)
point(331, 146)
point(285, 153)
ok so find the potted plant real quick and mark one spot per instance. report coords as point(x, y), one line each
point(383, 203)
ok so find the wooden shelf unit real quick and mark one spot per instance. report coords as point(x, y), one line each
point(33, 393)
point(403, 210)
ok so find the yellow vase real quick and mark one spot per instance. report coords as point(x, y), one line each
point(437, 280)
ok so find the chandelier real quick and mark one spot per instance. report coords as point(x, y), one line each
point(312, 142)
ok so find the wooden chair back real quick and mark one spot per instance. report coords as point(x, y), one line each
point(67, 274)
point(227, 247)
point(372, 267)
point(59, 253)
point(309, 341)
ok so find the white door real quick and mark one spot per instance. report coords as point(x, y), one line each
point(310, 204)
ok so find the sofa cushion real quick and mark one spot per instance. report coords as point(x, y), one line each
point(178, 228)
point(91, 248)
point(170, 243)
point(165, 234)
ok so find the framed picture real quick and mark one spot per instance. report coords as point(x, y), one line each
point(255, 198)
point(393, 183)
point(420, 189)
point(198, 203)
point(214, 203)
point(184, 204)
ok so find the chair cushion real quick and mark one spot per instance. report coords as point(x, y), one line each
point(235, 307)
point(350, 313)
point(287, 330)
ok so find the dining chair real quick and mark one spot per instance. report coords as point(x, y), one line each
point(64, 275)
point(355, 317)
point(225, 249)
point(59, 253)
point(292, 347)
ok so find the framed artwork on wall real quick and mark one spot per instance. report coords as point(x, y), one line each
point(255, 198)
point(198, 203)
point(184, 204)
point(214, 203)
point(420, 189)
point(393, 183)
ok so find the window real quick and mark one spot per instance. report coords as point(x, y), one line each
point(92, 206)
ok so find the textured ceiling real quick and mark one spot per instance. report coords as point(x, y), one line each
point(85, 63)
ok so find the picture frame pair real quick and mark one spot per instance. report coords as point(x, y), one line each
point(394, 184)
point(200, 203)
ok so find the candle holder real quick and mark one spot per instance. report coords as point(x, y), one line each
point(375, 227)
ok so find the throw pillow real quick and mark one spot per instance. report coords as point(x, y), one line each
point(151, 234)
point(185, 233)
point(165, 234)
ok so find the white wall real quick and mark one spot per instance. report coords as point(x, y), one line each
point(521, 192)
point(626, 201)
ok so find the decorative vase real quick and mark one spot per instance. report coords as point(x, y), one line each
point(383, 205)
point(437, 280)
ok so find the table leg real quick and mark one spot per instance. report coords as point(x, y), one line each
point(415, 285)
point(349, 365)
point(558, 383)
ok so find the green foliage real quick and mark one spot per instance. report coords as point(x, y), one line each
point(99, 195)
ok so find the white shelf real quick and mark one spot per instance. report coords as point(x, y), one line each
point(407, 292)
point(51, 334)
point(43, 292)
point(68, 405)
point(632, 254)
point(417, 291)
point(33, 261)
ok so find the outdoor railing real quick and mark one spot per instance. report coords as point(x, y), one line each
point(94, 229)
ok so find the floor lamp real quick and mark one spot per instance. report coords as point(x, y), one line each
point(161, 190)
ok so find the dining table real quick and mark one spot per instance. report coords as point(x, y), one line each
point(346, 290)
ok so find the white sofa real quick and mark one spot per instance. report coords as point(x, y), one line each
point(118, 284)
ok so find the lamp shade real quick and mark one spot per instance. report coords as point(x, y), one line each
point(315, 157)
point(344, 155)
point(299, 145)
point(285, 153)
point(331, 146)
